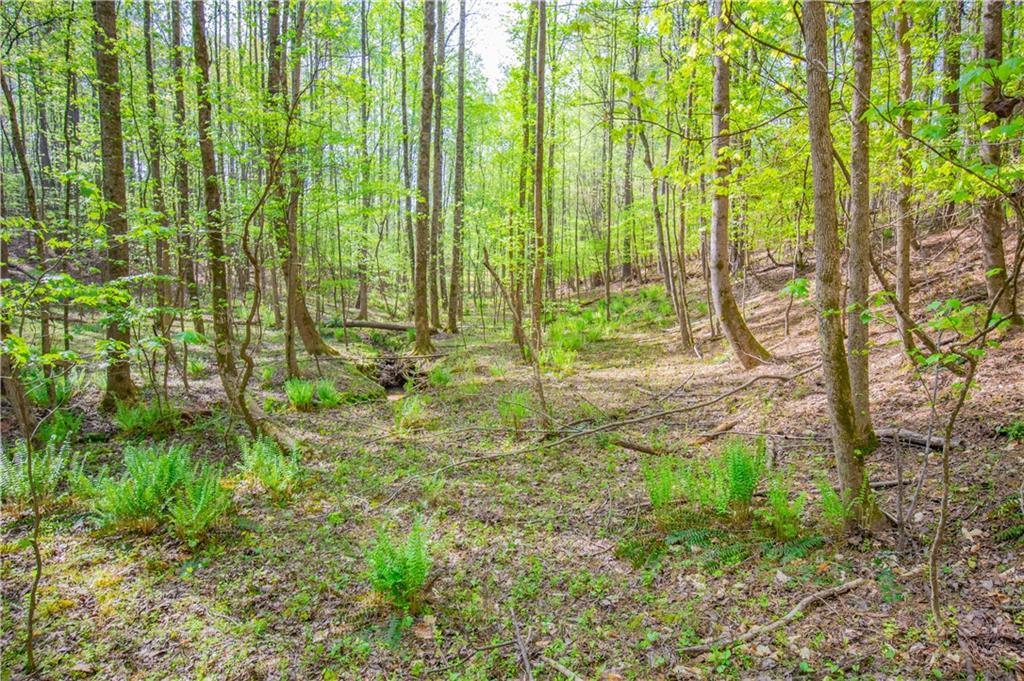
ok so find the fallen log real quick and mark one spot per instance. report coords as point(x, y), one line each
point(381, 326)
point(910, 437)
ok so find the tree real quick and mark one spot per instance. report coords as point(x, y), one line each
point(182, 212)
point(164, 318)
point(423, 346)
point(223, 345)
point(904, 190)
point(747, 349)
point(455, 296)
point(859, 235)
point(828, 278)
point(993, 218)
point(436, 183)
point(538, 182)
point(120, 387)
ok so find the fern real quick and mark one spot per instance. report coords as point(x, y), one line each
point(199, 504)
point(326, 394)
point(399, 569)
point(265, 463)
point(783, 515)
point(835, 512)
point(300, 393)
point(49, 464)
point(138, 501)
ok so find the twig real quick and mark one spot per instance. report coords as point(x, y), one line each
point(562, 669)
point(523, 654)
point(755, 632)
point(470, 655)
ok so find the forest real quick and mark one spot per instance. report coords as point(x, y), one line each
point(512, 339)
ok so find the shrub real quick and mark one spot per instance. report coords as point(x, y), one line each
point(265, 463)
point(49, 464)
point(139, 499)
point(411, 412)
point(197, 368)
point(200, 502)
point(300, 393)
point(399, 569)
point(439, 376)
point(783, 515)
point(326, 394)
point(513, 408)
point(146, 419)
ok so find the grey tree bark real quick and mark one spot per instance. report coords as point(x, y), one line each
point(828, 275)
point(747, 349)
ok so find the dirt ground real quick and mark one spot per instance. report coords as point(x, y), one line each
point(557, 542)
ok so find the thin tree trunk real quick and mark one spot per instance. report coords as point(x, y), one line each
point(119, 380)
point(363, 297)
point(182, 212)
point(423, 346)
point(746, 348)
point(904, 219)
point(538, 183)
point(223, 345)
point(164, 319)
point(993, 217)
point(455, 296)
point(859, 236)
point(436, 184)
point(828, 275)
point(406, 163)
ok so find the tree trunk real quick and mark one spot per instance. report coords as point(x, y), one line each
point(859, 237)
point(164, 319)
point(223, 345)
point(455, 296)
point(363, 296)
point(904, 219)
point(993, 218)
point(406, 163)
point(747, 349)
point(423, 346)
point(828, 277)
point(182, 212)
point(36, 209)
point(119, 380)
point(627, 175)
point(436, 184)
point(954, 10)
point(538, 183)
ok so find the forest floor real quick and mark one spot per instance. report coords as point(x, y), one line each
point(558, 544)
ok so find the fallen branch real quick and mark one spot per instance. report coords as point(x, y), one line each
point(755, 632)
point(562, 669)
point(717, 432)
point(470, 655)
point(381, 326)
point(521, 645)
point(910, 437)
point(628, 422)
point(636, 446)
